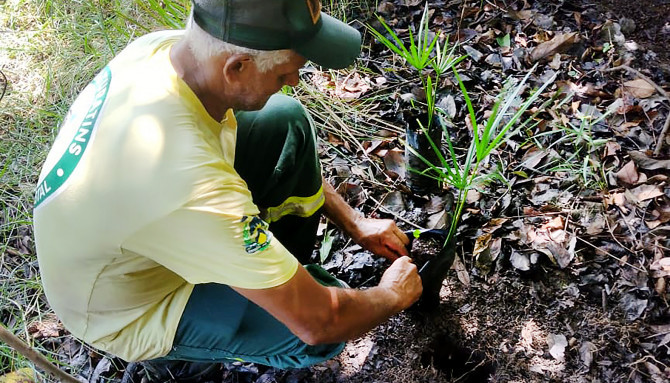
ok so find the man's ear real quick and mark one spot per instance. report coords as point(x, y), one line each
point(236, 67)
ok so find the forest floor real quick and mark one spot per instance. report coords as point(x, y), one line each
point(562, 272)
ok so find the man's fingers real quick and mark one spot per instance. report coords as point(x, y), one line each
point(398, 247)
point(403, 238)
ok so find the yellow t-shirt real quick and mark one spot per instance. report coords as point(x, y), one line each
point(138, 201)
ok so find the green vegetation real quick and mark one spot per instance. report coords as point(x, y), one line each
point(583, 160)
point(505, 120)
point(423, 52)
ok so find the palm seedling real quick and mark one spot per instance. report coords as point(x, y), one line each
point(422, 53)
point(463, 172)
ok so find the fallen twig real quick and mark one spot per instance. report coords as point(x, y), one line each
point(385, 210)
point(620, 260)
point(661, 137)
point(661, 91)
point(38, 359)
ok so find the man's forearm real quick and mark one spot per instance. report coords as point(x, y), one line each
point(357, 312)
point(318, 314)
point(337, 209)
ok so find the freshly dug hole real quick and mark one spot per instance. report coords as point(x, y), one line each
point(458, 362)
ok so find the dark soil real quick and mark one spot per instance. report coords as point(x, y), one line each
point(650, 27)
point(425, 249)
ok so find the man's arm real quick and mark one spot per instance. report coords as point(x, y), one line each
point(317, 314)
point(380, 236)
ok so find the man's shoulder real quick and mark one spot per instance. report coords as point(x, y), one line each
point(157, 38)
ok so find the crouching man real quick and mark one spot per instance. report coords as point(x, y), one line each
point(177, 210)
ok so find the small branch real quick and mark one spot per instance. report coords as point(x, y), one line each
point(661, 137)
point(38, 359)
point(666, 126)
point(385, 210)
point(611, 255)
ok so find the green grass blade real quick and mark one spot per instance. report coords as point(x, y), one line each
point(386, 41)
point(468, 102)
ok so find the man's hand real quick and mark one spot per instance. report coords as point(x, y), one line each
point(403, 278)
point(380, 236)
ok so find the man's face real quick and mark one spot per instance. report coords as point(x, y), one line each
point(261, 85)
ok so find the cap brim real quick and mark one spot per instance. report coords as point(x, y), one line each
point(335, 46)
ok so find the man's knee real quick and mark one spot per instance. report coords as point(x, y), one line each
point(283, 115)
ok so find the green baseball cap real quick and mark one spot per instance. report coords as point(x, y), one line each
point(280, 24)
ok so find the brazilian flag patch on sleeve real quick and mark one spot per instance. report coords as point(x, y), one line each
point(256, 234)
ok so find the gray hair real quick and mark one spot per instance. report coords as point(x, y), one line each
point(205, 46)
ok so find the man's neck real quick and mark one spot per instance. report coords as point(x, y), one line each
point(199, 78)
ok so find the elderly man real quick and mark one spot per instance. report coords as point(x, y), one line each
point(180, 200)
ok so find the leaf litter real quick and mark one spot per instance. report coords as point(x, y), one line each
point(562, 269)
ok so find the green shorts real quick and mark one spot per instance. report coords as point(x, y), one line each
point(276, 155)
point(219, 324)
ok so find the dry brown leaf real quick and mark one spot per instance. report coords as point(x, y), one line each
point(353, 193)
point(661, 268)
point(618, 199)
point(374, 145)
point(494, 224)
point(482, 244)
point(394, 160)
point(349, 87)
point(662, 213)
point(583, 89)
point(437, 220)
point(485, 252)
point(533, 157)
point(639, 88)
point(525, 14)
point(595, 224)
point(48, 327)
point(559, 43)
point(473, 196)
point(628, 175)
point(563, 253)
point(335, 140)
point(645, 192)
point(461, 272)
point(556, 224)
point(437, 203)
point(24, 375)
point(611, 148)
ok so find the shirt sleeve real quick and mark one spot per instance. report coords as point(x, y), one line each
point(217, 237)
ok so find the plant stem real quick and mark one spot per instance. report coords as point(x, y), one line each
point(38, 359)
point(462, 194)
